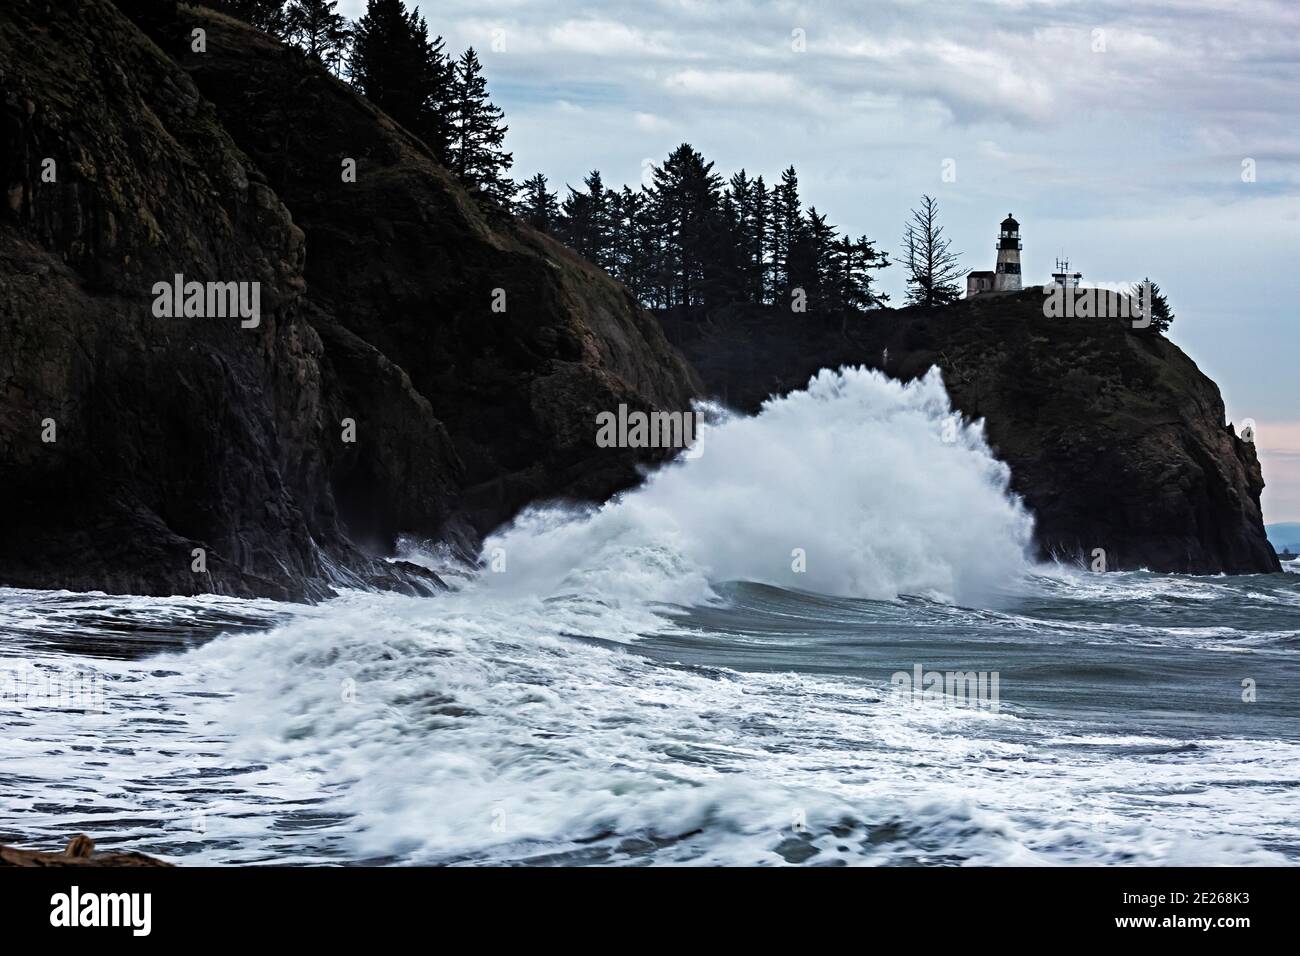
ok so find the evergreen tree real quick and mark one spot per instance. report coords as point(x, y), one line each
point(623, 208)
point(639, 250)
point(477, 133)
point(586, 220)
point(761, 237)
point(538, 207)
point(932, 270)
point(749, 198)
point(854, 262)
point(402, 72)
point(440, 72)
point(1160, 313)
point(802, 260)
point(688, 241)
point(725, 275)
point(686, 196)
point(315, 27)
point(821, 242)
point(786, 225)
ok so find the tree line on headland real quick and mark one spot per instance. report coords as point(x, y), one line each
point(687, 238)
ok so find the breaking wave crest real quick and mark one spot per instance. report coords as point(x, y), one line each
point(858, 486)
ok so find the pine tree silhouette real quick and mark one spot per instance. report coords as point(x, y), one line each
point(853, 263)
point(396, 66)
point(686, 195)
point(787, 224)
point(477, 133)
point(686, 241)
point(315, 27)
point(1161, 315)
point(748, 198)
point(537, 206)
point(587, 220)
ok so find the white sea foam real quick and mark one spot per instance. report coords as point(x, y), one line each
point(853, 474)
point(479, 733)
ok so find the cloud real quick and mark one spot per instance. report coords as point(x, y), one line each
point(650, 122)
point(734, 86)
point(603, 38)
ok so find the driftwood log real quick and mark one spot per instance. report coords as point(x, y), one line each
point(80, 851)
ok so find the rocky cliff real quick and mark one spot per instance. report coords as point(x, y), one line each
point(420, 365)
point(1115, 438)
point(382, 388)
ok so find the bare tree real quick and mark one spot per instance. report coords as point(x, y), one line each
point(932, 271)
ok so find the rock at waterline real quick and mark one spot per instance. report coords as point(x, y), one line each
point(80, 851)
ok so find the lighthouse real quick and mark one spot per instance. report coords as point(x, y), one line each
point(1006, 278)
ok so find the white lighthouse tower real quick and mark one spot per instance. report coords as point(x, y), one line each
point(1006, 278)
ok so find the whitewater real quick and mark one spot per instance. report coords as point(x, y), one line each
point(696, 673)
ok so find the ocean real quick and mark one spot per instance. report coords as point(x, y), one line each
point(718, 667)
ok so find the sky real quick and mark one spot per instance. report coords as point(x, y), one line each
point(1134, 138)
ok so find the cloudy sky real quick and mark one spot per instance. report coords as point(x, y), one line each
point(1136, 138)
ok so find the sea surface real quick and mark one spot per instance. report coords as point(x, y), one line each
point(715, 669)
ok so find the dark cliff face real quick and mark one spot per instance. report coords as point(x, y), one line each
point(515, 342)
point(171, 434)
point(168, 435)
point(1114, 438)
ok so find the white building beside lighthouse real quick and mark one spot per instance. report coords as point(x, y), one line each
point(1006, 275)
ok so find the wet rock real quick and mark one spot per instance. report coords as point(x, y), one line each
point(80, 851)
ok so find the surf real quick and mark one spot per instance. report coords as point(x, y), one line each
point(651, 680)
point(857, 486)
